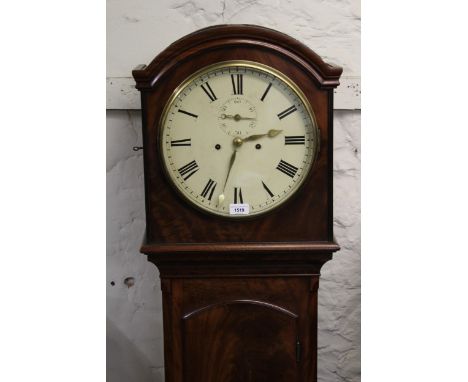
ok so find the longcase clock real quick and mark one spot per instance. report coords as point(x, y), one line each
point(238, 154)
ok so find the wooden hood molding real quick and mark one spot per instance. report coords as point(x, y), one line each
point(326, 75)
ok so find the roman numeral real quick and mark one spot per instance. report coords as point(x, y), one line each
point(267, 189)
point(187, 113)
point(286, 112)
point(287, 168)
point(238, 195)
point(209, 92)
point(209, 188)
point(266, 92)
point(237, 85)
point(188, 170)
point(294, 140)
point(182, 142)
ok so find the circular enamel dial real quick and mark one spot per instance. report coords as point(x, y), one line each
point(238, 139)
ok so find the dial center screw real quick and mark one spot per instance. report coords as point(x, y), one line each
point(237, 141)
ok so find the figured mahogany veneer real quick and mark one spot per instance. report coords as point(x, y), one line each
point(239, 297)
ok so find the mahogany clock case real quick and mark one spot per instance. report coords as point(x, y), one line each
point(239, 296)
point(308, 215)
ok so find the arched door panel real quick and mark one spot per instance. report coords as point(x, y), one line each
point(240, 341)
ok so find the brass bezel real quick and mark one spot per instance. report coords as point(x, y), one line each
point(260, 67)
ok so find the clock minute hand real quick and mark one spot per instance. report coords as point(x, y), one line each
point(271, 133)
point(231, 162)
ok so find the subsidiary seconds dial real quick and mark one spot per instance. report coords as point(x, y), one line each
point(238, 133)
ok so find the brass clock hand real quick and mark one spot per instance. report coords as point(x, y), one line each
point(231, 162)
point(271, 133)
point(237, 142)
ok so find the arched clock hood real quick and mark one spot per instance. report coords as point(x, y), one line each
point(233, 36)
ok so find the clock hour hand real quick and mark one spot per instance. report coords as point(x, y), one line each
point(271, 133)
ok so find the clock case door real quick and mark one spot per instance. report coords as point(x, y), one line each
point(308, 215)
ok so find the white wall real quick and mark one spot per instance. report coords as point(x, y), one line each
point(138, 30)
point(332, 29)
